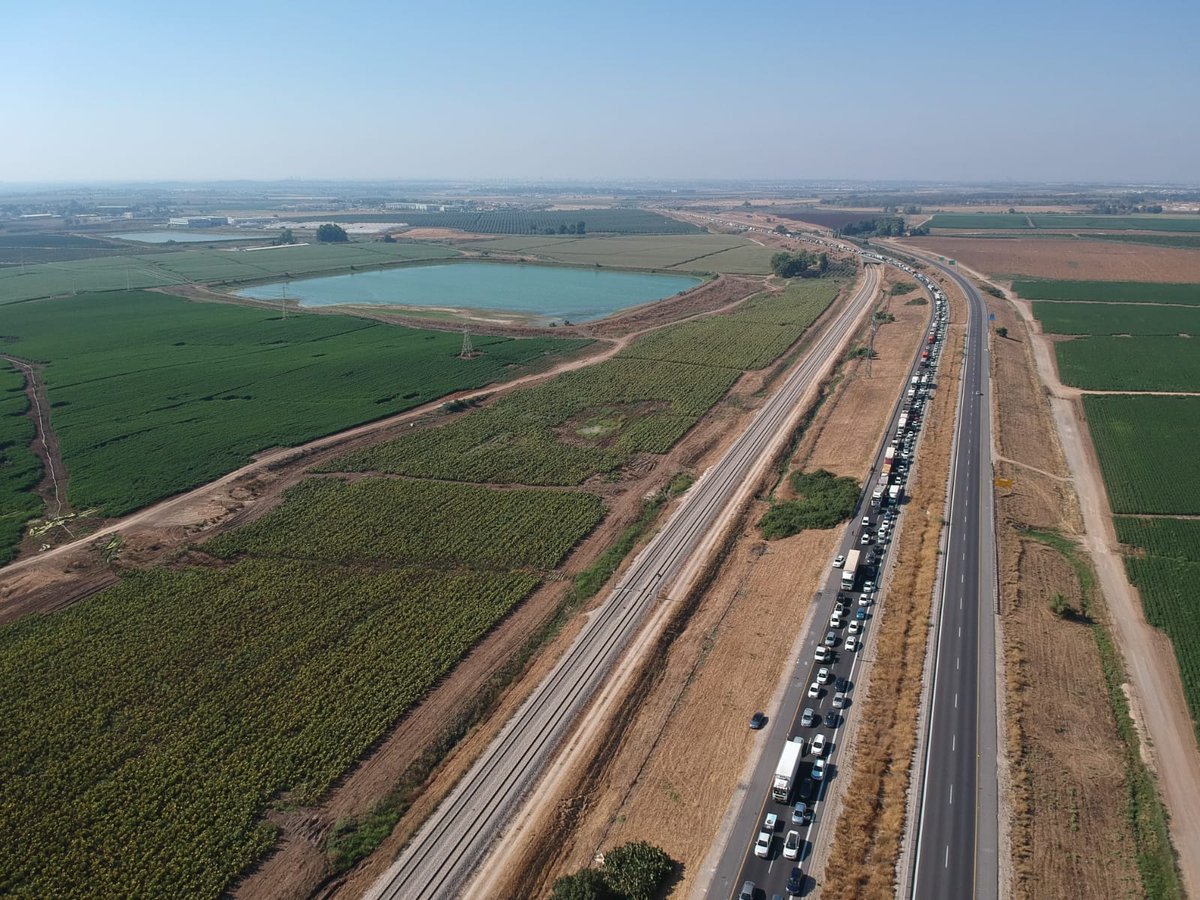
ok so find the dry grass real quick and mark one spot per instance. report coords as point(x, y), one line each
point(870, 828)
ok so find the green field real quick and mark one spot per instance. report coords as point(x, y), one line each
point(1110, 291)
point(1186, 241)
point(1166, 571)
point(30, 249)
point(522, 221)
point(1145, 446)
point(20, 470)
point(1145, 363)
point(150, 727)
point(209, 266)
point(594, 420)
point(695, 252)
point(1064, 222)
point(152, 395)
point(1115, 318)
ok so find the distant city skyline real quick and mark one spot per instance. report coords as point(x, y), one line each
point(928, 91)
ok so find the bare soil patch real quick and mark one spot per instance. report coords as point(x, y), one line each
point(1069, 259)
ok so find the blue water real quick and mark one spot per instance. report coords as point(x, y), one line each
point(546, 292)
point(185, 237)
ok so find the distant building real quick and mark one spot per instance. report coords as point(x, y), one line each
point(197, 221)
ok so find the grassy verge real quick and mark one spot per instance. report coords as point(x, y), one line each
point(352, 840)
point(1147, 817)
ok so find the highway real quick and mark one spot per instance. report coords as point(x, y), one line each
point(448, 848)
point(956, 853)
point(773, 875)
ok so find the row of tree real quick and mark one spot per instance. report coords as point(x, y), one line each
point(882, 226)
point(801, 264)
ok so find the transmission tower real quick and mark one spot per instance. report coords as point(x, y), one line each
point(468, 349)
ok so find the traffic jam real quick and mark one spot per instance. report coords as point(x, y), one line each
point(806, 762)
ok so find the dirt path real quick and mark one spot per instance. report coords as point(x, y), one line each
point(1156, 690)
point(53, 486)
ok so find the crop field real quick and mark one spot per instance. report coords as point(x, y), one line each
point(520, 221)
point(592, 421)
point(29, 249)
point(1115, 318)
point(694, 252)
point(1110, 291)
point(1144, 363)
point(20, 469)
point(152, 395)
point(196, 698)
point(1157, 240)
point(1166, 573)
point(1145, 445)
point(211, 266)
point(417, 523)
point(758, 332)
point(826, 218)
point(1063, 222)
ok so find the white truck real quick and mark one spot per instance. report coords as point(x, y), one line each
point(850, 570)
point(786, 771)
point(894, 494)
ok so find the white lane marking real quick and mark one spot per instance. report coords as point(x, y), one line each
point(956, 700)
point(953, 742)
point(957, 660)
point(960, 631)
point(946, 864)
point(951, 800)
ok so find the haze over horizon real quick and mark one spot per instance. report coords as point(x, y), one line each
point(928, 91)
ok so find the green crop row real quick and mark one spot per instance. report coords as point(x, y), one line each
point(690, 252)
point(152, 395)
point(1115, 318)
point(150, 728)
point(1145, 445)
point(20, 469)
point(1110, 291)
point(410, 523)
point(1145, 363)
point(979, 220)
point(1064, 222)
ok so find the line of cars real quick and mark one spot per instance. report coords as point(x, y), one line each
point(850, 613)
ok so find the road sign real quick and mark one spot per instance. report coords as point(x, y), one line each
point(1003, 482)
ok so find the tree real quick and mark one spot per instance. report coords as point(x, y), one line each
point(586, 884)
point(822, 263)
point(285, 237)
point(791, 265)
point(636, 870)
point(580, 228)
point(1002, 332)
point(332, 234)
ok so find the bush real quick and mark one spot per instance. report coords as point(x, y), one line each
point(586, 884)
point(332, 234)
point(634, 871)
point(823, 501)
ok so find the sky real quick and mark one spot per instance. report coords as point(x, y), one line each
point(1057, 90)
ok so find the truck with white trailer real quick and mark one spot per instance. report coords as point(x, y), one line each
point(787, 770)
point(850, 570)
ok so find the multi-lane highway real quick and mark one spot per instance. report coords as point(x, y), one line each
point(452, 842)
point(956, 852)
point(775, 874)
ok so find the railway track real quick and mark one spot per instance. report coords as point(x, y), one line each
point(446, 851)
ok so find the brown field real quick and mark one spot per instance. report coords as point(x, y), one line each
point(1068, 823)
point(1068, 259)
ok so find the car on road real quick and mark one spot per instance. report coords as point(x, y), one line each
point(771, 822)
point(762, 846)
point(747, 891)
point(757, 721)
point(866, 521)
point(808, 790)
point(795, 881)
point(791, 845)
point(824, 675)
point(809, 717)
point(831, 719)
point(864, 600)
point(818, 745)
point(823, 654)
point(814, 690)
point(839, 608)
point(868, 586)
point(842, 684)
point(852, 643)
point(839, 561)
point(835, 621)
point(855, 627)
point(831, 638)
point(840, 700)
point(800, 813)
point(818, 771)
point(860, 614)
point(865, 539)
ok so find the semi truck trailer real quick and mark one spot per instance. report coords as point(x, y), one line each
point(788, 768)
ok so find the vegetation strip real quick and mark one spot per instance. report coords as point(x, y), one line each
point(1109, 291)
point(20, 469)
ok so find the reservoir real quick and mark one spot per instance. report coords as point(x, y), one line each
point(543, 292)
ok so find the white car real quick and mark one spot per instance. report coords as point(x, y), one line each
point(818, 773)
point(814, 690)
point(823, 675)
point(818, 746)
point(864, 600)
point(839, 561)
point(852, 643)
point(762, 847)
point(865, 539)
point(823, 654)
point(835, 621)
point(868, 586)
point(791, 845)
point(854, 627)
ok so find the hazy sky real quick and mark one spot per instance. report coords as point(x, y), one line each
point(907, 89)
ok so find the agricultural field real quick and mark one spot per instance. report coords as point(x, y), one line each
point(524, 221)
point(826, 218)
point(1190, 241)
point(1166, 570)
point(1144, 445)
point(152, 395)
point(20, 470)
point(594, 420)
point(1063, 222)
point(1059, 317)
point(196, 699)
point(694, 252)
point(30, 249)
point(208, 265)
point(1144, 363)
point(1110, 291)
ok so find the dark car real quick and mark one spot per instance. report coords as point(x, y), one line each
point(860, 614)
point(808, 790)
point(795, 881)
point(757, 721)
point(843, 684)
point(831, 719)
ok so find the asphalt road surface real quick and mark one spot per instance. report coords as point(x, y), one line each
point(451, 844)
point(739, 863)
point(957, 830)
